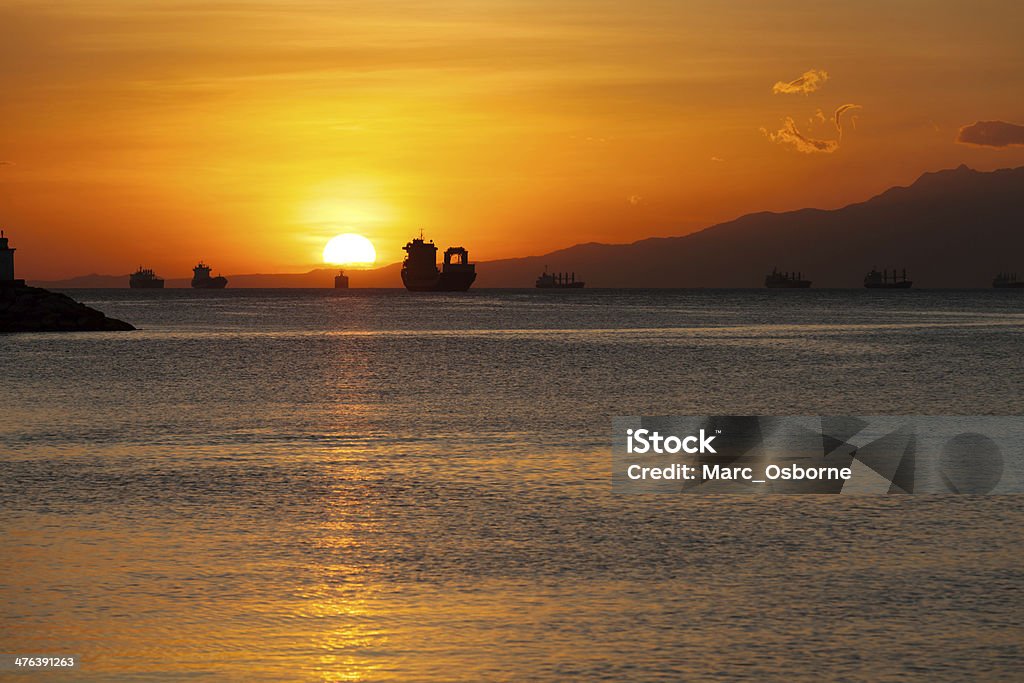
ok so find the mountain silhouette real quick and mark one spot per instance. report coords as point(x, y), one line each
point(952, 228)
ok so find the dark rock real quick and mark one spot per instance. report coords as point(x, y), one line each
point(32, 309)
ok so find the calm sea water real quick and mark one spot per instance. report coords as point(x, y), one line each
point(374, 485)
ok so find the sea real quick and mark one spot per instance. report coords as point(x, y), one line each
point(377, 485)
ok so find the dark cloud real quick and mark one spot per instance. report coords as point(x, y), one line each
point(807, 83)
point(991, 134)
point(790, 135)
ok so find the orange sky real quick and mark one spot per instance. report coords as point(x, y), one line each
point(248, 133)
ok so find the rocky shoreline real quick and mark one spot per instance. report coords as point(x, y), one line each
point(33, 309)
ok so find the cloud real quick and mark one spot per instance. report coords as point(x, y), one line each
point(6, 163)
point(991, 134)
point(837, 116)
point(717, 159)
point(790, 135)
point(808, 83)
point(634, 199)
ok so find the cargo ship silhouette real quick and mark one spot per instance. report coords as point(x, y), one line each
point(558, 281)
point(1007, 281)
point(201, 278)
point(145, 278)
point(779, 280)
point(883, 280)
point(420, 272)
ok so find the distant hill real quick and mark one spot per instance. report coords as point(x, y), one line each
point(93, 281)
point(953, 228)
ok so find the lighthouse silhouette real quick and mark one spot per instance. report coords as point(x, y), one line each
point(7, 264)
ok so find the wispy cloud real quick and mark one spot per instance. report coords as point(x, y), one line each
point(991, 134)
point(837, 117)
point(717, 159)
point(807, 83)
point(790, 135)
point(6, 163)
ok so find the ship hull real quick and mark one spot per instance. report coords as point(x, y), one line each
point(155, 284)
point(1009, 285)
point(889, 285)
point(212, 283)
point(570, 285)
point(798, 284)
point(444, 282)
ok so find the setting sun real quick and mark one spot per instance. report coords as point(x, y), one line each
point(349, 249)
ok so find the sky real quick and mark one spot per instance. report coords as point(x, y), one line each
point(249, 133)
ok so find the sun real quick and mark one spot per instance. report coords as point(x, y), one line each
point(349, 249)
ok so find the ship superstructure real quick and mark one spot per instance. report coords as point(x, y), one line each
point(421, 274)
point(201, 278)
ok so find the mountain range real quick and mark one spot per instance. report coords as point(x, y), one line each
point(951, 228)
